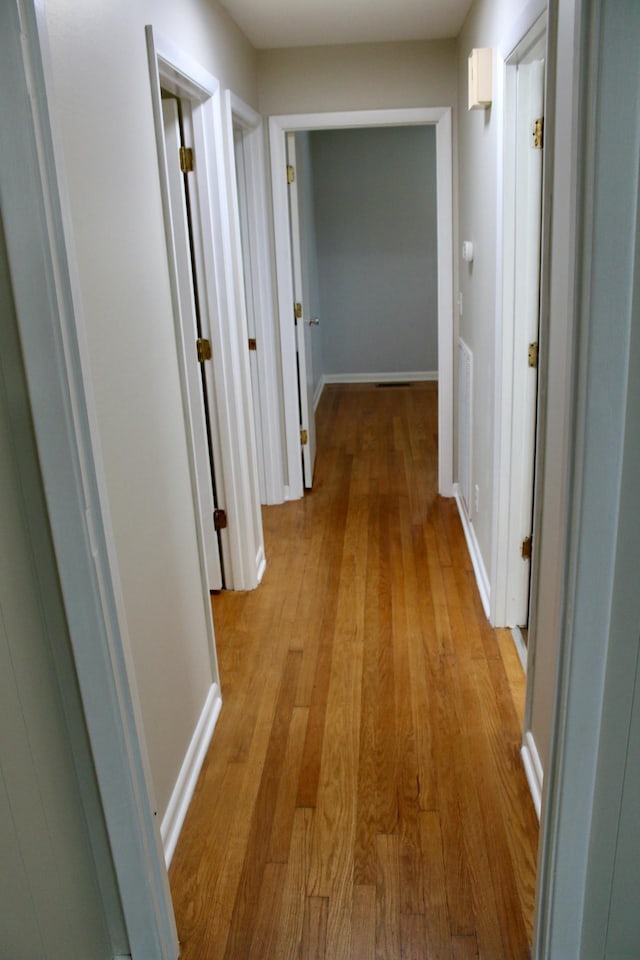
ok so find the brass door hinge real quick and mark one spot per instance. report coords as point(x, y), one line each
point(525, 548)
point(304, 438)
point(297, 311)
point(219, 519)
point(186, 159)
point(203, 349)
point(538, 133)
point(252, 343)
point(291, 174)
point(532, 355)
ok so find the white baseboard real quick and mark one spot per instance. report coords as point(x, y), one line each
point(186, 783)
point(318, 393)
point(533, 769)
point(473, 547)
point(261, 564)
point(520, 645)
point(410, 376)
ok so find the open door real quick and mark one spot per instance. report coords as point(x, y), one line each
point(528, 212)
point(302, 322)
point(196, 409)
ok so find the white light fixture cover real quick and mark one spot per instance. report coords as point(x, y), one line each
point(480, 78)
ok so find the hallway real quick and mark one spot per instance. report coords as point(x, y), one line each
point(363, 796)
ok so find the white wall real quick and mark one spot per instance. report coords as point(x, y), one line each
point(375, 200)
point(365, 76)
point(487, 23)
point(102, 106)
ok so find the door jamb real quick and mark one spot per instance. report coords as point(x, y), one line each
point(533, 27)
point(182, 281)
point(36, 214)
point(228, 373)
point(267, 421)
point(279, 126)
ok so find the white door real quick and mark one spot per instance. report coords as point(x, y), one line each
point(530, 103)
point(194, 399)
point(302, 321)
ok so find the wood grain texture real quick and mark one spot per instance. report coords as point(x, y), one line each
point(363, 797)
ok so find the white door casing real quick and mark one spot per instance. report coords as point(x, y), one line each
point(250, 227)
point(530, 97)
point(278, 128)
point(36, 215)
point(520, 81)
point(240, 167)
point(192, 396)
point(303, 333)
point(222, 306)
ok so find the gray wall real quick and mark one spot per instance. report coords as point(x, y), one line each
point(375, 212)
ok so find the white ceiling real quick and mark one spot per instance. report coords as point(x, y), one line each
point(302, 23)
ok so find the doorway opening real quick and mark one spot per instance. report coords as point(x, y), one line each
point(226, 366)
point(176, 116)
point(516, 400)
point(292, 335)
point(514, 572)
point(251, 241)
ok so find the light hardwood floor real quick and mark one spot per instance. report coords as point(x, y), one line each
point(363, 797)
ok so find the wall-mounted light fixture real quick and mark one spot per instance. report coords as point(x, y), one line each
point(480, 78)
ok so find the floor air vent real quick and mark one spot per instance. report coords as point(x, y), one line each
point(394, 383)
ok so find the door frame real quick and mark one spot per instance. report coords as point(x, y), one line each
point(36, 213)
point(183, 282)
point(279, 126)
point(228, 376)
point(509, 398)
point(257, 265)
point(303, 323)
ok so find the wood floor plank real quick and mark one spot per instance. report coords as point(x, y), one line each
point(284, 812)
point(334, 823)
point(196, 862)
point(453, 777)
point(435, 888)
point(408, 775)
point(388, 899)
point(366, 827)
point(445, 630)
point(314, 931)
point(465, 948)
point(381, 633)
point(413, 936)
point(363, 922)
point(515, 675)
point(310, 769)
point(264, 930)
point(294, 892)
point(251, 879)
point(363, 796)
